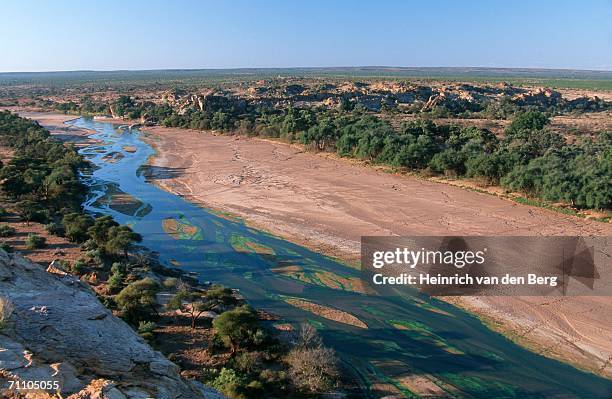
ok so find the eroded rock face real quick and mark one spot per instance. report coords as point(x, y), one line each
point(59, 331)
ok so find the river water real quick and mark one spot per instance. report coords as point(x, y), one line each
point(385, 340)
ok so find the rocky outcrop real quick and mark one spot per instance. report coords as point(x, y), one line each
point(540, 97)
point(56, 330)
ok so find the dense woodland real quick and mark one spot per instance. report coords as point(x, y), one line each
point(42, 180)
point(530, 157)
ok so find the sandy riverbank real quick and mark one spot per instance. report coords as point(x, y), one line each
point(327, 203)
point(56, 124)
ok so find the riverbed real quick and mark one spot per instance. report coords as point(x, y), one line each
point(408, 343)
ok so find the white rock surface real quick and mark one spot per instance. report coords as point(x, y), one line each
point(59, 331)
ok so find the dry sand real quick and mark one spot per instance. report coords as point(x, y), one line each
point(328, 203)
point(55, 123)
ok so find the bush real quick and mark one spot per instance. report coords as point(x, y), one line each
point(115, 281)
point(96, 256)
point(230, 383)
point(55, 228)
point(34, 241)
point(312, 367)
point(78, 267)
point(170, 283)
point(146, 329)
point(7, 247)
point(7, 231)
point(249, 362)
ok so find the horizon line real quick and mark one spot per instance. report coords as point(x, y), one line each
point(314, 68)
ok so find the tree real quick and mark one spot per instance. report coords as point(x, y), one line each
point(195, 303)
point(29, 210)
point(76, 226)
point(527, 121)
point(220, 295)
point(136, 302)
point(312, 366)
point(192, 303)
point(238, 328)
point(99, 230)
point(121, 239)
point(111, 237)
point(115, 281)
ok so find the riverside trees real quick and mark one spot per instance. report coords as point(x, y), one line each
point(43, 173)
point(529, 158)
point(43, 179)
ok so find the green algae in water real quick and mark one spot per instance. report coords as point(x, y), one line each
point(319, 277)
point(243, 244)
point(373, 311)
point(316, 324)
point(482, 388)
point(181, 228)
point(422, 332)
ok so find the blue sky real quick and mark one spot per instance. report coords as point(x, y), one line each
point(39, 35)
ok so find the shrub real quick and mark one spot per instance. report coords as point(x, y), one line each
point(7, 247)
point(312, 367)
point(170, 283)
point(230, 383)
point(96, 256)
point(249, 362)
point(118, 268)
point(34, 241)
point(78, 267)
point(7, 231)
point(55, 228)
point(115, 281)
point(146, 329)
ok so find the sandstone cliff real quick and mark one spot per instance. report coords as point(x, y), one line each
point(55, 329)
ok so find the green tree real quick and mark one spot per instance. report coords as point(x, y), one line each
point(121, 240)
point(193, 303)
point(137, 302)
point(238, 328)
point(76, 226)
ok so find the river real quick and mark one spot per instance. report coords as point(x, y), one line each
point(385, 340)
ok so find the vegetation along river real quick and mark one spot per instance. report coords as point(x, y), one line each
point(384, 339)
